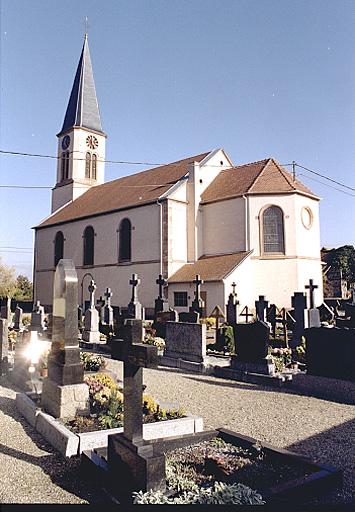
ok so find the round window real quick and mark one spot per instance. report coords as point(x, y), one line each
point(307, 217)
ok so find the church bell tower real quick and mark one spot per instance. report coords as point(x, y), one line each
point(81, 141)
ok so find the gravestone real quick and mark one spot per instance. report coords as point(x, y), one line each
point(197, 304)
point(271, 315)
point(6, 309)
point(100, 308)
point(37, 318)
point(192, 317)
point(64, 393)
point(4, 345)
point(160, 304)
point(299, 304)
point(330, 352)
point(91, 333)
point(135, 308)
point(130, 458)
point(313, 313)
point(18, 325)
point(186, 341)
point(161, 319)
point(252, 342)
point(260, 308)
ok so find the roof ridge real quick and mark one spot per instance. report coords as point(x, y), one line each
point(284, 174)
point(259, 174)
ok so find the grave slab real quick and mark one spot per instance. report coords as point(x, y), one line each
point(186, 341)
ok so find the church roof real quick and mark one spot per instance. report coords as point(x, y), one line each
point(83, 109)
point(130, 191)
point(262, 177)
point(210, 268)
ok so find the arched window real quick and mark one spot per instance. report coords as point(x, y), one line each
point(89, 237)
point(93, 166)
point(273, 230)
point(63, 168)
point(87, 165)
point(58, 247)
point(124, 240)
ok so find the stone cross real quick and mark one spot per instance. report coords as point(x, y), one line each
point(234, 287)
point(108, 311)
point(135, 355)
point(161, 282)
point(160, 304)
point(260, 308)
point(197, 303)
point(91, 333)
point(135, 282)
point(232, 308)
point(311, 287)
point(92, 288)
point(135, 308)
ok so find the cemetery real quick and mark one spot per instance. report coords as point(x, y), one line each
point(81, 387)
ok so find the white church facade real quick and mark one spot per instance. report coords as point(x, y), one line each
point(251, 224)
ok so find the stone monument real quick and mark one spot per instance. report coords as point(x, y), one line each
point(197, 304)
point(313, 313)
point(37, 318)
point(135, 308)
point(18, 325)
point(91, 333)
point(64, 393)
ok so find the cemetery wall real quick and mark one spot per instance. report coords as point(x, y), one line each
point(224, 226)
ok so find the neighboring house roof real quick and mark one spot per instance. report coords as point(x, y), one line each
point(262, 177)
point(210, 268)
point(83, 109)
point(134, 190)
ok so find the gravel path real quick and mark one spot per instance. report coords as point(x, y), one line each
point(32, 472)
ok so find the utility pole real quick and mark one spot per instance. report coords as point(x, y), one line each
point(294, 170)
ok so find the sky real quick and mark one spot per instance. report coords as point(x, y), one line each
point(175, 78)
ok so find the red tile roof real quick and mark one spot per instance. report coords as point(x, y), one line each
point(262, 177)
point(210, 268)
point(137, 189)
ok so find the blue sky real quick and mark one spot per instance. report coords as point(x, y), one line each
point(175, 78)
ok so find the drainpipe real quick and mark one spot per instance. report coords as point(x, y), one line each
point(160, 236)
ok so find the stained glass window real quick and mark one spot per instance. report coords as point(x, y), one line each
point(273, 230)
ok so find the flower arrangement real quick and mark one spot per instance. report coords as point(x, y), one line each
point(281, 357)
point(156, 342)
point(12, 336)
point(92, 362)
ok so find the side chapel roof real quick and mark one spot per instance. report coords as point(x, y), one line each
point(262, 177)
point(210, 268)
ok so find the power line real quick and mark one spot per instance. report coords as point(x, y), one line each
point(325, 177)
point(327, 185)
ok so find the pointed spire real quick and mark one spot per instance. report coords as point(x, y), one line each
point(83, 109)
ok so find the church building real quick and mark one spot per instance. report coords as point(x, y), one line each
point(253, 224)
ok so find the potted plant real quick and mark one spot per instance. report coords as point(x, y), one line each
point(43, 364)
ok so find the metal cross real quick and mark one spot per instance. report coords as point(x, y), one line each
point(246, 314)
point(161, 282)
point(86, 24)
point(135, 282)
point(234, 287)
point(92, 287)
point(311, 287)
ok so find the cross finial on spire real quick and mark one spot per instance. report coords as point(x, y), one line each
point(86, 26)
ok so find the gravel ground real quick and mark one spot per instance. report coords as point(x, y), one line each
point(33, 472)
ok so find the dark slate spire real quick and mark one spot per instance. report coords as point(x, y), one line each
point(83, 109)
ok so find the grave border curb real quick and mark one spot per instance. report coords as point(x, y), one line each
point(71, 445)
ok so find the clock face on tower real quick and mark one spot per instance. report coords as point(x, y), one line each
point(92, 142)
point(65, 142)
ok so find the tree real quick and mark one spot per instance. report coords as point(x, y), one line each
point(23, 288)
point(7, 280)
point(343, 258)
